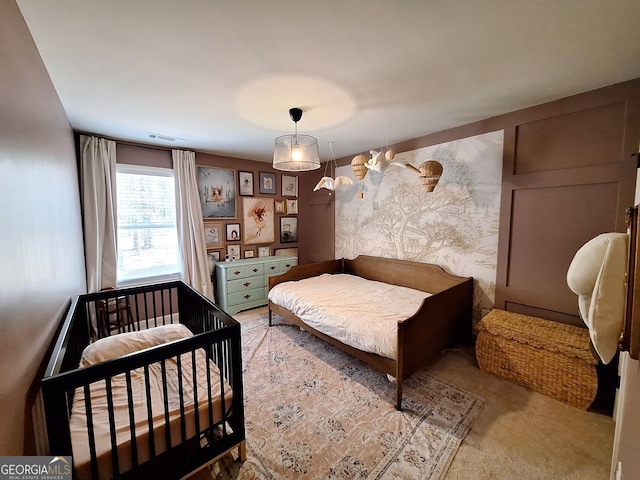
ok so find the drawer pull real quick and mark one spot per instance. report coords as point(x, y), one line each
point(246, 284)
point(254, 270)
point(272, 267)
point(237, 272)
point(247, 297)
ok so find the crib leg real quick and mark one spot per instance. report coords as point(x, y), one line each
point(242, 451)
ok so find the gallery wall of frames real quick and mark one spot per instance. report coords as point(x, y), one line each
point(246, 214)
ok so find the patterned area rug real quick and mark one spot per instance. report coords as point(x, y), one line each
point(314, 412)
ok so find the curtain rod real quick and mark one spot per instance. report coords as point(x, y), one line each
point(140, 145)
point(126, 143)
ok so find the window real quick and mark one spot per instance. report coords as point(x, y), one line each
point(147, 234)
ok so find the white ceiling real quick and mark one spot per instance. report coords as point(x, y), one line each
point(221, 75)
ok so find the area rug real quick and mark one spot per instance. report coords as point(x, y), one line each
point(315, 412)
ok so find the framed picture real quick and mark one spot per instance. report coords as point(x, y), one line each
point(292, 207)
point(213, 234)
point(264, 251)
point(268, 183)
point(280, 206)
point(233, 232)
point(246, 183)
point(233, 251)
point(258, 221)
point(249, 253)
point(289, 186)
point(288, 229)
point(288, 252)
point(212, 258)
point(217, 192)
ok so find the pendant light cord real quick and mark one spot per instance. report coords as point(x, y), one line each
point(386, 135)
point(333, 160)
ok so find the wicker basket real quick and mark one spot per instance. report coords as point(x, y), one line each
point(548, 357)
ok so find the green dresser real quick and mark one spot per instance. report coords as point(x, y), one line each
point(243, 284)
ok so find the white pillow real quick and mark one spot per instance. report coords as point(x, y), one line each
point(586, 263)
point(597, 275)
point(129, 342)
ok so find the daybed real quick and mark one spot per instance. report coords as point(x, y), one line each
point(159, 400)
point(394, 329)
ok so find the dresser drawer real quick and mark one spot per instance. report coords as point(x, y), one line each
point(246, 296)
point(243, 271)
point(243, 284)
point(281, 266)
point(272, 268)
point(285, 265)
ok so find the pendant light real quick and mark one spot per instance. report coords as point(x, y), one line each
point(296, 152)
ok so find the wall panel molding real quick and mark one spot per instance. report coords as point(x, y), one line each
point(567, 176)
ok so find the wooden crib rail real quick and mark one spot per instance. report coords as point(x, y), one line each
point(216, 338)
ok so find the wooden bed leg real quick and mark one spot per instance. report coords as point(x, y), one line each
point(270, 314)
point(242, 451)
point(398, 394)
point(399, 381)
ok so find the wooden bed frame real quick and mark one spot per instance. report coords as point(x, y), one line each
point(443, 320)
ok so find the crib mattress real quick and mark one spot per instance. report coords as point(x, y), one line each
point(359, 312)
point(192, 391)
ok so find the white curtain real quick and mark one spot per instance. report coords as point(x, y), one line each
point(98, 190)
point(193, 250)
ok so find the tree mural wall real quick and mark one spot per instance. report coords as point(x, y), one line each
point(455, 226)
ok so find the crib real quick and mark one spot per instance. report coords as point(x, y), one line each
point(144, 382)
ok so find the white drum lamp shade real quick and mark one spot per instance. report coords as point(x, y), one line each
point(296, 152)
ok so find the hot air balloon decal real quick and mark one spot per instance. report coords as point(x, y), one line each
point(429, 173)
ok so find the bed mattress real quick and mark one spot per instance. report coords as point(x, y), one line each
point(360, 313)
point(194, 390)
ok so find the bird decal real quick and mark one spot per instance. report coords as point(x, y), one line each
point(377, 162)
point(331, 184)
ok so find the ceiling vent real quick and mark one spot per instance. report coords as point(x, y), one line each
point(166, 138)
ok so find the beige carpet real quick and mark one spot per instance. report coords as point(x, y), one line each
point(519, 434)
point(522, 434)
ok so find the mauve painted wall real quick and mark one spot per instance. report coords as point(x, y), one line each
point(41, 249)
